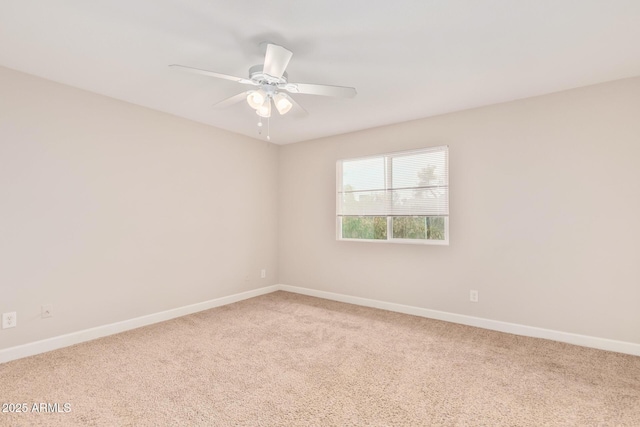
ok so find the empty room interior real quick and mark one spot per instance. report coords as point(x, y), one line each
point(243, 213)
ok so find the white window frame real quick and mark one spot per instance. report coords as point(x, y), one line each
point(388, 157)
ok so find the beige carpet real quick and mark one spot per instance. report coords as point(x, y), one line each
point(288, 360)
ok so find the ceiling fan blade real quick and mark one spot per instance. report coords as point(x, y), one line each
point(213, 74)
point(298, 110)
point(276, 60)
point(323, 90)
point(231, 100)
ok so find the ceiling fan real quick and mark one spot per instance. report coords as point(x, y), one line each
point(272, 84)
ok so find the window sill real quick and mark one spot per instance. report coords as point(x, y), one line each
point(399, 241)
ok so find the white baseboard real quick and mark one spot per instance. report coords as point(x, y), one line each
point(66, 340)
point(511, 328)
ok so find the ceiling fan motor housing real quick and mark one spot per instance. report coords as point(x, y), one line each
point(257, 75)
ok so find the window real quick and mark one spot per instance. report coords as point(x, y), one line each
point(397, 197)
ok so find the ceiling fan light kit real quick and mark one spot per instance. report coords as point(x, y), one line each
point(264, 110)
point(282, 103)
point(256, 98)
point(272, 82)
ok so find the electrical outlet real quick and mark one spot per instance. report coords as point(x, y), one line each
point(9, 320)
point(47, 310)
point(263, 273)
point(473, 295)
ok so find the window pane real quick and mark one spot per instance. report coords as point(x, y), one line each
point(419, 170)
point(418, 227)
point(420, 202)
point(363, 203)
point(419, 184)
point(365, 174)
point(364, 227)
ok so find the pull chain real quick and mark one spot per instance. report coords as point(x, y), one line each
point(269, 128)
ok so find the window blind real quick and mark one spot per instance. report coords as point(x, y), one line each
point(410, 183)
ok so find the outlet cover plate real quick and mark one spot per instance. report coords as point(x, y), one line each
point(9, 320)
point(473, 295)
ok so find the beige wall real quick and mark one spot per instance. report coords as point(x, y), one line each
point(545, 215)
point(111, 211)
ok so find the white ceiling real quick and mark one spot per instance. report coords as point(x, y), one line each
point(408, 59)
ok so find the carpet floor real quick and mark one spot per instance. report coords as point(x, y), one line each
point(284, 359)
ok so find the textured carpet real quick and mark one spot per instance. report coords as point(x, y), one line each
point(289, 360)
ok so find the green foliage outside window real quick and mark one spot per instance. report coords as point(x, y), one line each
point(364, 227)
point(375, 227)
point(418, 227)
